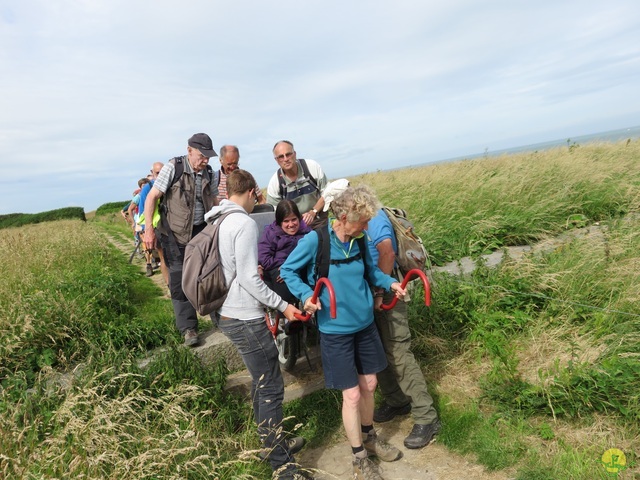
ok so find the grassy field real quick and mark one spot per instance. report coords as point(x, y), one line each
point(534, 364)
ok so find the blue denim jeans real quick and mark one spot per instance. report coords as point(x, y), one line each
point(258, 350)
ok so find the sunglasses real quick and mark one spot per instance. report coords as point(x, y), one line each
point(284, 155)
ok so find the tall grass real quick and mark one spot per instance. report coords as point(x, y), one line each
point(474, 206)
point(533, 364)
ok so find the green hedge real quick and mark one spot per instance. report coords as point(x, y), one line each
point(111, 207)
point(20, 219)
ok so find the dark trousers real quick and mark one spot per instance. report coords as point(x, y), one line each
point(185, 313)
point(259, 354)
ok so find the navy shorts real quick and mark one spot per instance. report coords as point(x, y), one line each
point(344, 357)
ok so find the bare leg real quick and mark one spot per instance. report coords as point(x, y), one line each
point(351, 415)
point(367, 387)
point(163, 265)
point(357, 408)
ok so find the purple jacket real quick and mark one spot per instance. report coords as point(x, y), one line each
point(275, 246)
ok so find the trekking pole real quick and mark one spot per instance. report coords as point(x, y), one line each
point(425, 282)
point(332, 299)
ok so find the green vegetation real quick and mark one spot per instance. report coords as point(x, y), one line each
point(533, 363)
point(111, 207)
point(20, 219)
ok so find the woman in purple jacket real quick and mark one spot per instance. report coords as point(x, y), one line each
point(276, 243)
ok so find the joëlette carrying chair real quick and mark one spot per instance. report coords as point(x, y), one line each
point(289, 337)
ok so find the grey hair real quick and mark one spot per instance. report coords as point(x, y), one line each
point(232, 148)
point(283, 141)
point(356, 203)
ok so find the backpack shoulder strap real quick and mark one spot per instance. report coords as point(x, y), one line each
point(362, 244)
point(323, 255)
point(281, 183)
point(179, 169)
point(307, 173)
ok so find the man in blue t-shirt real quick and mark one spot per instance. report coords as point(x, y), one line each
point(402, 383)
point(155, 170)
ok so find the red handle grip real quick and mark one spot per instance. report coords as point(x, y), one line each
point(332, 299)
point(410, 274)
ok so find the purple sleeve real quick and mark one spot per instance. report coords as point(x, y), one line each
point(267, 248)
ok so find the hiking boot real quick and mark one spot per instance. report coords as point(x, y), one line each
point(294, 445)
point(365, 469)
point(421, 435)
point(386, 412)
point(149, 270)
point(381, 449)
point(191, 338)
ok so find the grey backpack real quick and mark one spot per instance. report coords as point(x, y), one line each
point(203, 279)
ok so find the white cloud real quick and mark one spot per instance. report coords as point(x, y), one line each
point(94, 91)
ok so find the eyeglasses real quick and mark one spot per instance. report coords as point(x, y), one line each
point(155, 173)
point(202, 157)
point(284, 155)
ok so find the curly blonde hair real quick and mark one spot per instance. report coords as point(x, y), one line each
point(356, 203)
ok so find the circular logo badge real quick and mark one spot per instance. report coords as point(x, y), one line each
point(614, 460)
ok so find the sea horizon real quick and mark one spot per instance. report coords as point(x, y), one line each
point(632, 133)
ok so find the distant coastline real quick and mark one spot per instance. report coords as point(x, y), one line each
point(608, 136)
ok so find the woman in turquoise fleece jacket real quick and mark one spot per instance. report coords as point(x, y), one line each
point(352, 352)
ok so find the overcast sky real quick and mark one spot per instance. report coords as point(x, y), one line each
point(92, 92)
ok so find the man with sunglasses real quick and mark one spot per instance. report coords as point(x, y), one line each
point(299, 180)
point(188, 190)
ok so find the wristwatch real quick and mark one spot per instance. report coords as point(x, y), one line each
point(314, 210)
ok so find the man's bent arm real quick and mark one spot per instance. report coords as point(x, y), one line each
point(387, 257)
point(149, 213)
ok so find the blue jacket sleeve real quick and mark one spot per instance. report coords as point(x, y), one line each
point(300, 262)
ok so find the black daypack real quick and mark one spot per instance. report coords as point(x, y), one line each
point(411, 251)
point(162, 206)
point(203, 279)
point(305, 172)
point(323, 255)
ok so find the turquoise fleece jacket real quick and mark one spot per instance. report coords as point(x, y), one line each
point(354, 300)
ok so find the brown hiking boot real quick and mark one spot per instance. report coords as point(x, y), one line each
point(381, 449)
point(365, 469)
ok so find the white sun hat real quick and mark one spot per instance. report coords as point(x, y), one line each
point(332, 190)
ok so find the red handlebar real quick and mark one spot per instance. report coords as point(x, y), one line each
point(332, 299)
point(427, 289)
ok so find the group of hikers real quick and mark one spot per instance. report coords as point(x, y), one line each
point(363, 347)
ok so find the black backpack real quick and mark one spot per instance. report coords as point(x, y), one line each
point(323, 255)
point(179, 170)
point(305, 173)
point(203, 279)
point(162, 206)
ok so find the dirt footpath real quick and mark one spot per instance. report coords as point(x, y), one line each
point(434, 462)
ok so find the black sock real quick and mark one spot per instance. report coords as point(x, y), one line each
point(366, 429)
point(357, 450)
